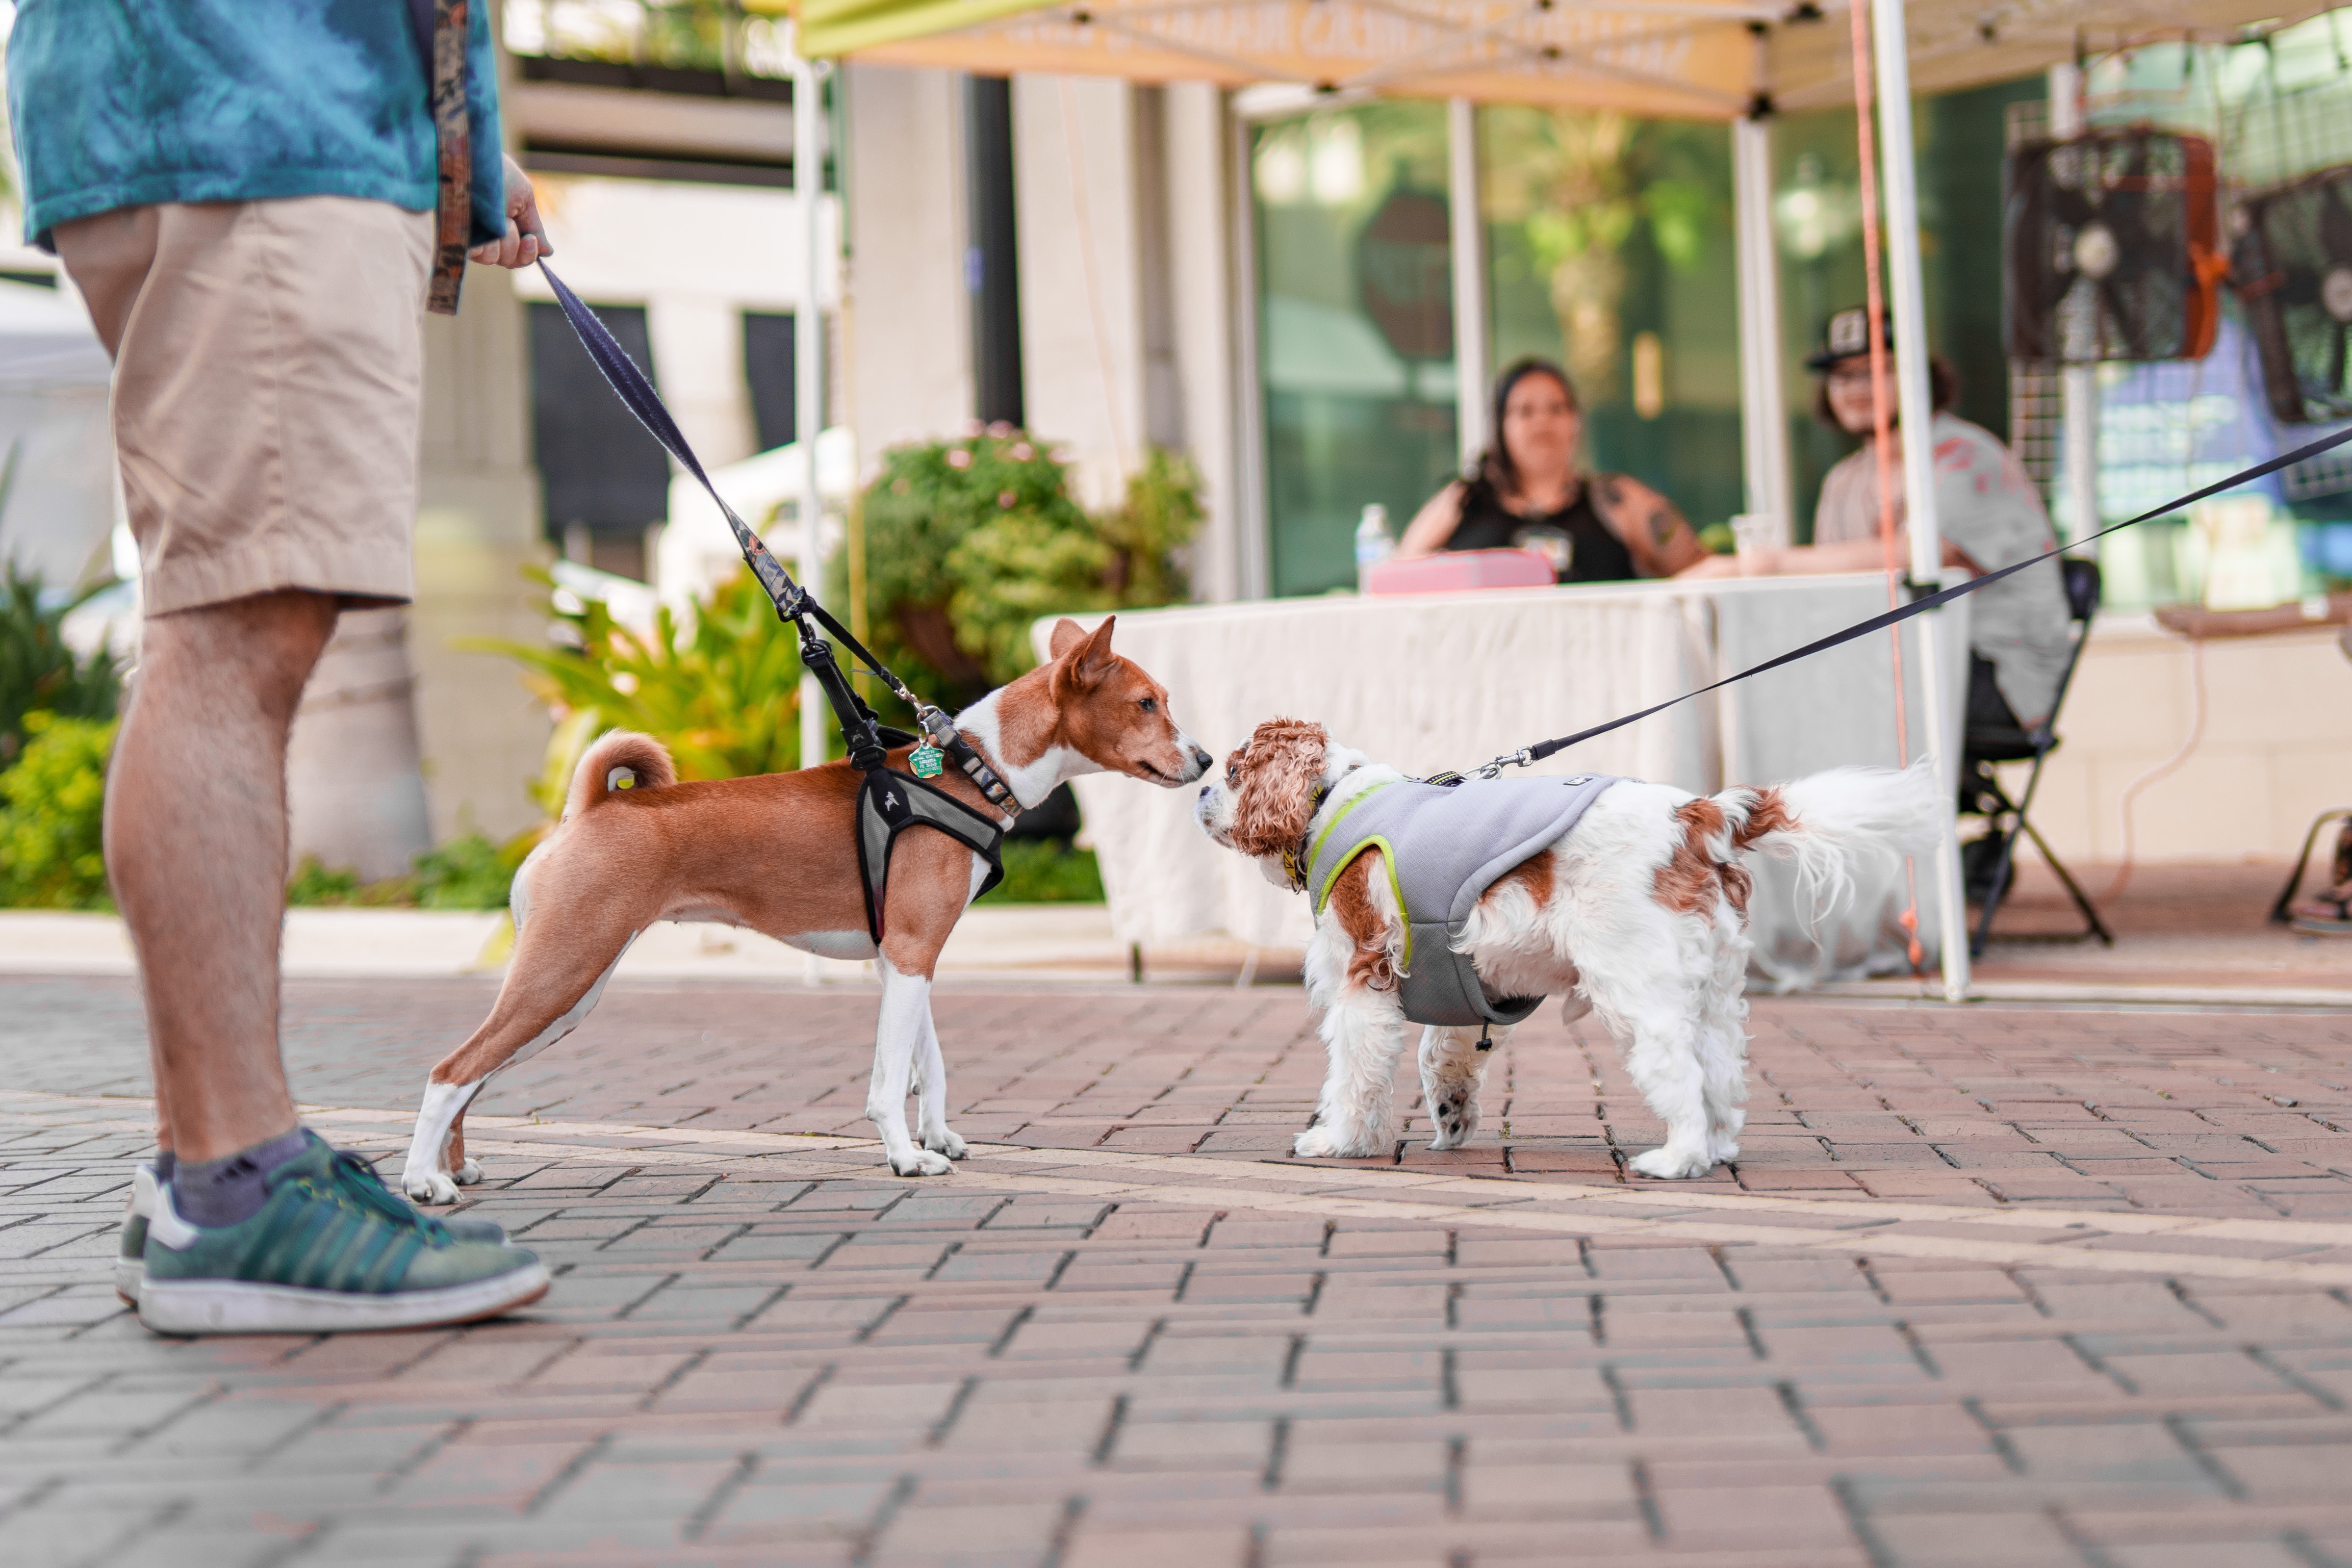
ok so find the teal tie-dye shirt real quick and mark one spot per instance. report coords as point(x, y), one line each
point(124, 103)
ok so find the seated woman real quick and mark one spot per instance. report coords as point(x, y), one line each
point(1526, 492)
point(1987, 510)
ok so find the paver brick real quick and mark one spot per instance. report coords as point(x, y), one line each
point(741, 1366)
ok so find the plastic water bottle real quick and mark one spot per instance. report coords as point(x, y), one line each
point(1373, 545)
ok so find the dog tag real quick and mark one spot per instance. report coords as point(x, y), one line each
point(926, 760)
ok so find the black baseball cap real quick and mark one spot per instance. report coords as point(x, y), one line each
point(1846, 334)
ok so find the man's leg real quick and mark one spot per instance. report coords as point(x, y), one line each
point(195, 844)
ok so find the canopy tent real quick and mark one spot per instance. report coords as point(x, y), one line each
point(1694, 59)
point(1735, 60)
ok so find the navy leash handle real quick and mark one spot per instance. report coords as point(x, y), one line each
point(1920, 606)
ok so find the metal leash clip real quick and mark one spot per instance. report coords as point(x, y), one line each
point(1523, 758)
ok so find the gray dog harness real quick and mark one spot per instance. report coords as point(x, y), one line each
point(1444, 846)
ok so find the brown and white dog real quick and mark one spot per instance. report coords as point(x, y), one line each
point(777, 853)
point(1635, 914)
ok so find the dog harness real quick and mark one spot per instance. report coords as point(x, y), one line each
point(1444, 845)
point(888, 803)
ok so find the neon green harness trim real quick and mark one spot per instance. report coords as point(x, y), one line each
point(1322, 894)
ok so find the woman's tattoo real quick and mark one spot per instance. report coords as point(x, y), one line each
point(1662, 524)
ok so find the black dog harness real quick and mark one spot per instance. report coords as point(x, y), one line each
point(889, 800)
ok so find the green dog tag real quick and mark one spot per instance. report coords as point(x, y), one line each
point(926, 760)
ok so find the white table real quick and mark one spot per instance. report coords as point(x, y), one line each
point(1435, 680)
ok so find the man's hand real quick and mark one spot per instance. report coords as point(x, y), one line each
point(526, 237)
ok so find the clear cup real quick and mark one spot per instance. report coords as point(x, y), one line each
point(1752, 533)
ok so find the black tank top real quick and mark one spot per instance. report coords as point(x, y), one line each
point(1579, 546)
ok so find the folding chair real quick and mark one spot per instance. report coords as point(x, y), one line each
point(1982, 746)
point(2283, 912)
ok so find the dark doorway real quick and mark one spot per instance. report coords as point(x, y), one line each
point(599, 469)
point(992, 269)
point(772, 366)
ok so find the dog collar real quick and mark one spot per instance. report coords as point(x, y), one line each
point(966, 756)
point(1293, 861)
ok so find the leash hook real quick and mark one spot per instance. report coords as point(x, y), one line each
point(1524, 757)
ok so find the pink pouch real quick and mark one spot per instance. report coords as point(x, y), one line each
point(1451, 572)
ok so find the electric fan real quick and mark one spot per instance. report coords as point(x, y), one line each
point(2291, 270)
point(2109, 241)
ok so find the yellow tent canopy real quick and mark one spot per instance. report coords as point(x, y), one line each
point(1704, 60)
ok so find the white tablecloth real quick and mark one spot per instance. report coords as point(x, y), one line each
point(1430, 681)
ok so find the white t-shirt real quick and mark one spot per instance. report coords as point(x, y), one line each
point(1986, 507)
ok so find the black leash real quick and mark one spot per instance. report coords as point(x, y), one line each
point(885, 809)
point(1918, 606)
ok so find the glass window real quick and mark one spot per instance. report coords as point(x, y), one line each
point(1355, 325)
point(1610, 252)
point(771, 361)
point(600, 472)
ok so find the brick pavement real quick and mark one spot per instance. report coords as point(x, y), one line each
point(2220, 1113)
point(2076, 1295)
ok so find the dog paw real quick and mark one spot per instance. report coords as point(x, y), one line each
point(433, 1190)
point(1672, 1165)
point(1324, 1143)
point(470, 1173)
point(1722, 1146)
point(1454, 1118)
point(922, 1163)
point(945, 1143)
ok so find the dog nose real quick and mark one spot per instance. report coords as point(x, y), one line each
point(1205, 789)
point(1202, 759)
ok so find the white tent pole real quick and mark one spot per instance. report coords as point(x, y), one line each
point(808, 368)
point(1898, 170)
point(1763, 408)
point(1471, 371)
point(2078, 384)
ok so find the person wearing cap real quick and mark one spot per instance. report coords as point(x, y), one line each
point(1989, 512)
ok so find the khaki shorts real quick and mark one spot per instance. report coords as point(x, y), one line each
point(268, 366)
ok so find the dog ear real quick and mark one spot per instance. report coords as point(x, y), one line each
point(1089, 659)
point(1067, 635)
point(1276, 800)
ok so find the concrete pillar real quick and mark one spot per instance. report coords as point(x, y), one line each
point(1763, 408)
point(909, 343)
point(478, 526)
point(354, 786)
point(1197, 159)
point(1082, 345)
point(697, 345)
point(1469, 237)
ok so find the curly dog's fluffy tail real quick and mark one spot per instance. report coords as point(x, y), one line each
point(619, 760)
point(1830, 821)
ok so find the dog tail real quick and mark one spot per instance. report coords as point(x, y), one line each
point(1831, 822)
point(618, 760)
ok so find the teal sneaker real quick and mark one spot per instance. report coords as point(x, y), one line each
point(329, 1251)
point(131, 1262)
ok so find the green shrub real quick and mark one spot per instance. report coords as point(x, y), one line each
point(37, 671)
point(52, 811)
point(722, 695)
point(469, 871)
point(1157, 518)
point(316, 883)
point(968, 542)
point(1047, 870)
